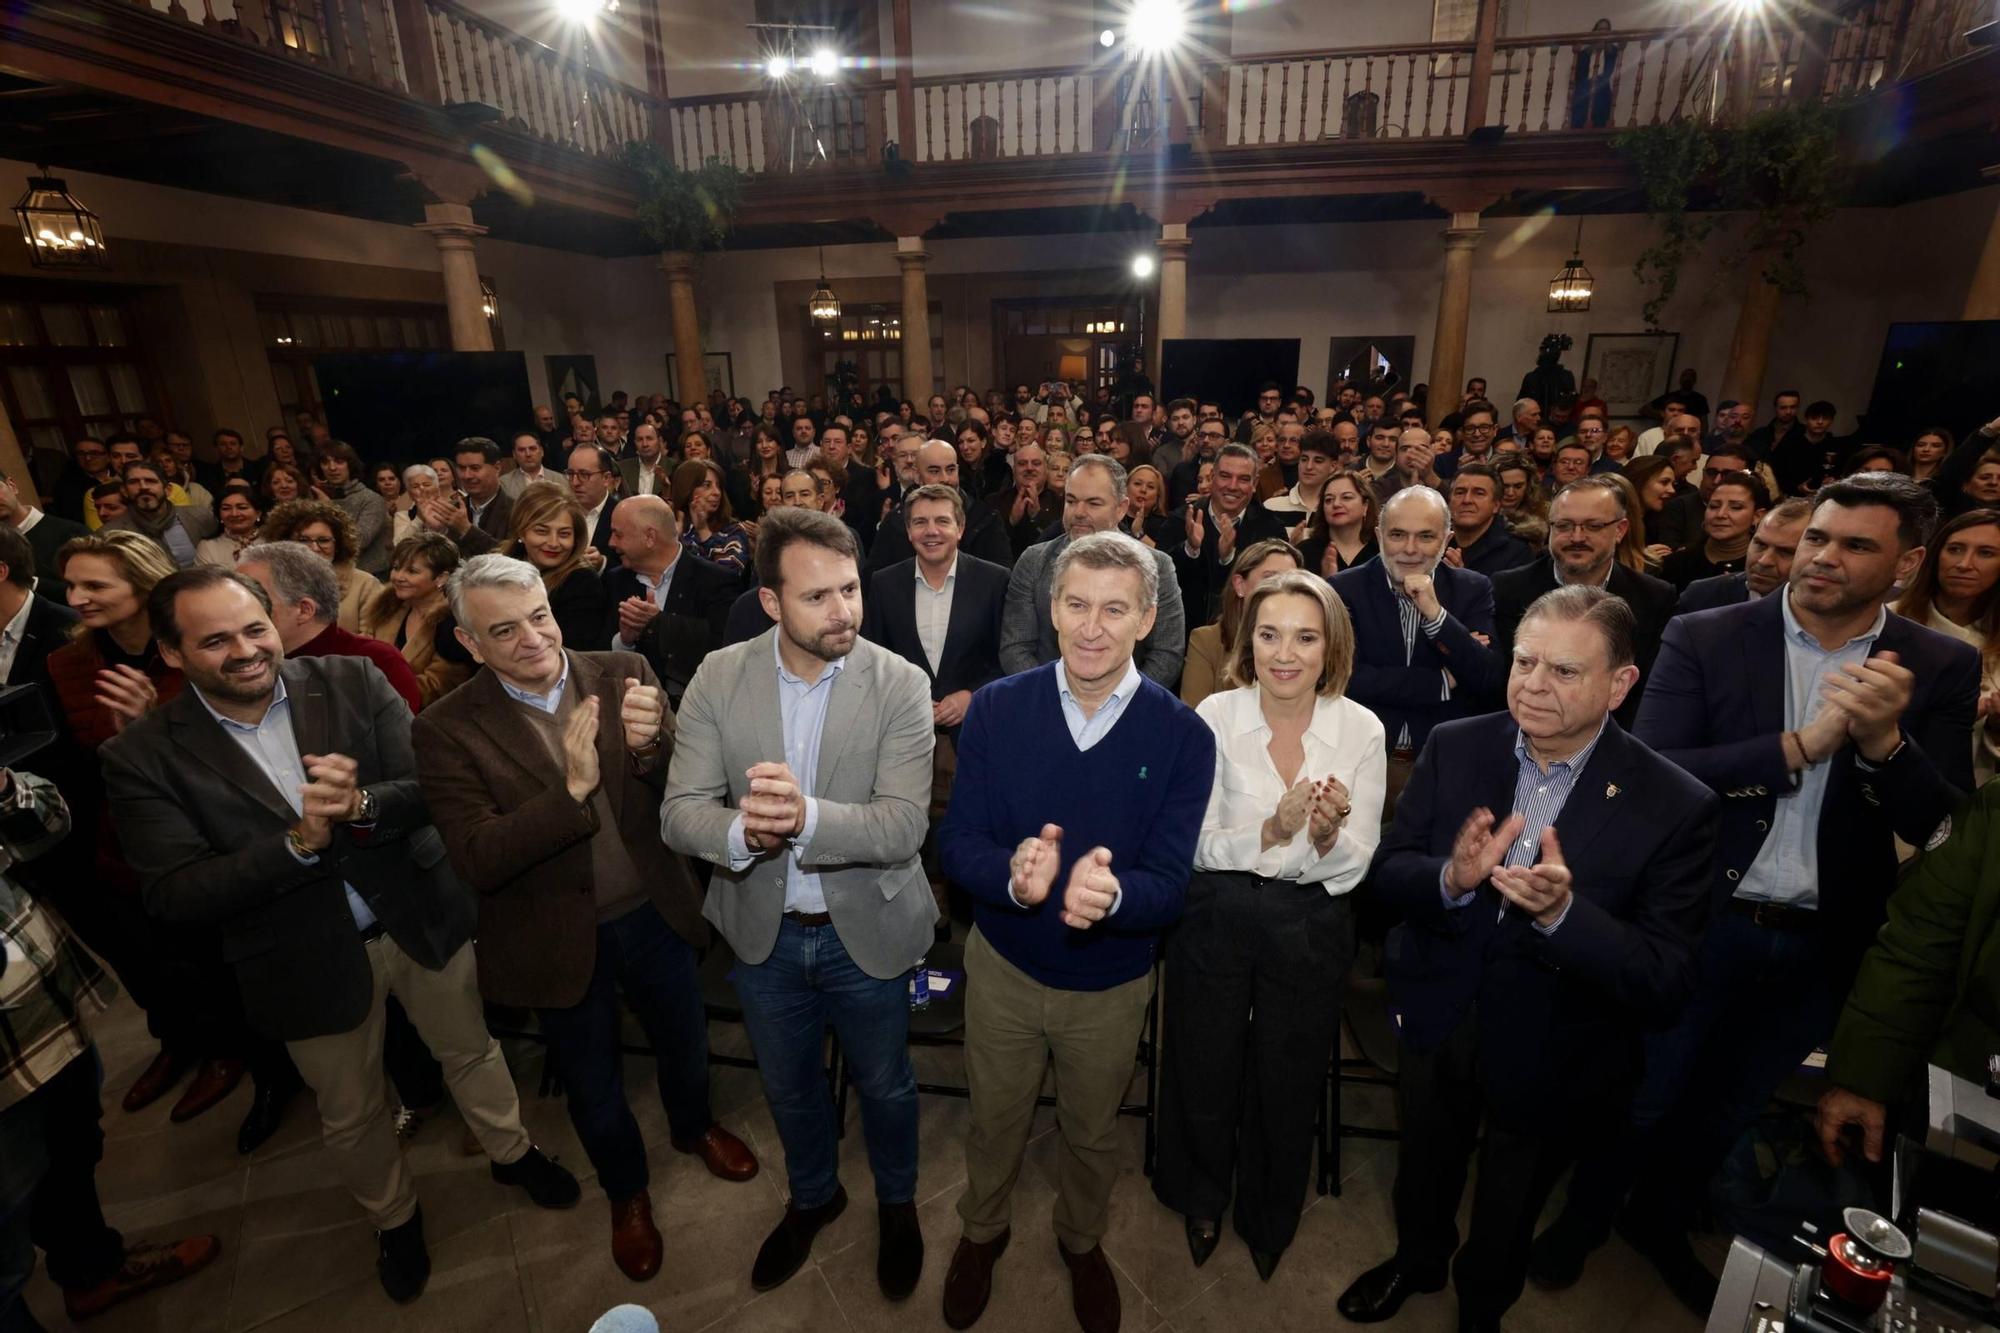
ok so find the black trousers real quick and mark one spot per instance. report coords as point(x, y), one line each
point(66, 1219)
point(1440, 1104)
point(1255, 973)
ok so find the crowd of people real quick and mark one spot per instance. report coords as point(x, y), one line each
point(1619, 736)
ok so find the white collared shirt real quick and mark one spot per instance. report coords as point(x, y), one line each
point(934, 613)
point(10, 638)
point(1343, 740)
point(29, 518)
point(656, 593)
point(648, 479)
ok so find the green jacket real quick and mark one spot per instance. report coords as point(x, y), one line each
point(1929, 989)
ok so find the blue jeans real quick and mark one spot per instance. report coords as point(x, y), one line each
point(659, 974)
point(788, 999)
point(1763, 999)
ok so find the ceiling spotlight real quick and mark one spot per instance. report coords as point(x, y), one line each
point(1155, 27)
point(777, 67)
point(1142, 266)
point(585, 11)
point(1107, 38)
point(824, 63)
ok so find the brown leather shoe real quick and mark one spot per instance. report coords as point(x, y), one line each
point(968, 1284)
point(1093, 1291)
point(722, 1153)
point(635, 1241)
point(145, 1267)
point(157, 1081)
point(215, 1080)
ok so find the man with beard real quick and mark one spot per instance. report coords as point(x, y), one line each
point(1586, 523)
point(802, 772)
point(1421, 630)
point(278, 800)
point(1831, 728)
point(148, 512)
point(1093, 501)
point(1766, 566)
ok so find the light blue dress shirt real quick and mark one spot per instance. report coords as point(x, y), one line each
point(1786, 869)
point(1088, 731)
point(802, 707)
point(547, 703)
point(1539, 798)
point(271, 746)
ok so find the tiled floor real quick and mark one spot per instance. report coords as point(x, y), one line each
point(297, 1255)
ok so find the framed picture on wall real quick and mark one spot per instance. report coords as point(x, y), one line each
point(1373, 364)
point(572, 374)
point(1631, 369)
point(720, 374)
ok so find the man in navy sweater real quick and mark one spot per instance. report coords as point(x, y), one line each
point(1081, 788)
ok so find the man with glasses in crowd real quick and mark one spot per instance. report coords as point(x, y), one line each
point(1208, 437)
point(593, 480)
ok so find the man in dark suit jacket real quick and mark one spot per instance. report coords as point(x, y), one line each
point(1212, 531)
point(1539, 936)
point(482, 518)
point(1433, 668)
point(45, 533)
point(668, 604)
point(326, 879)
point(959, 649)
point(545, 773)
point(985, 536)
point(1586, 523)
point(31, 626)
point(1860, 720)
point(1766, 566)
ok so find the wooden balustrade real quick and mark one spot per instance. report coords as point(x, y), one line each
point(556, 97)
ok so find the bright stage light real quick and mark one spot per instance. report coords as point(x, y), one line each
point(825, 63)
point(777, 67)
point(1155, 27)
point(1107, 38)
point(1142, 266)
point(585, 11)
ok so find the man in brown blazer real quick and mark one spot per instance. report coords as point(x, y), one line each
point(544, 774)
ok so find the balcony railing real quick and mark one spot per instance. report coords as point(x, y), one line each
point(439, 52)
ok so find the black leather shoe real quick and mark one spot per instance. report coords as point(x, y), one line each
point(402, 1261)
point(549, 1185)
point(267, 1112)
point(1265, 1262)
point(1377, 1294)
point(1556, 1260)
point(1202, 1238)
point(899, 1255)
point(787, 1248)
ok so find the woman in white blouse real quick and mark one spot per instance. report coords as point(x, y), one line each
point(1258, 964)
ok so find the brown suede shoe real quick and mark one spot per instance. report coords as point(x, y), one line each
point(215, 1080)
point(158, 1079)
point(635, 1241)
point(145, 1267)
point(725, 1155)
point(968, 1285)
point(1093, 1291)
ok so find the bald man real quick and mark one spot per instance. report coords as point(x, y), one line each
point(985, 535)
point(668, 604)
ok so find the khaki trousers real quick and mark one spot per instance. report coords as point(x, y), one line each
point(1014, 1025)
point(345, 1073)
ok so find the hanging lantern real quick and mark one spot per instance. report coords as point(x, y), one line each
point(489, 306)
point(1569, 291)
point(58, 230)
point(823, 305)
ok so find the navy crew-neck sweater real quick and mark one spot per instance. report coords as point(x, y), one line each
point(1140, 791)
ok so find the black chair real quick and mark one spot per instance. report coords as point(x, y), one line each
point(1368, 1022)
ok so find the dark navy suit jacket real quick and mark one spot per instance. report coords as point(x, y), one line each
point(1553, 1010)
point(971, 653)
point(1717, 708)
point(1413, 694)
point(1716, 590)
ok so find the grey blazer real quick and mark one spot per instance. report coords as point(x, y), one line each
point(1028, 630)
point(873, 785)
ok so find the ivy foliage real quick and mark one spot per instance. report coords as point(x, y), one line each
point(1778, 171)
point(682, 209)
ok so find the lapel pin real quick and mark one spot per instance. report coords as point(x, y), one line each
point(1610, 790)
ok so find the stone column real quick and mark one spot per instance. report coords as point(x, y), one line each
point(1982, 296)
point(912, 256)
point(1447, 375)
point(1172, 321)
point(1750, 347)
point(452, 227)
point(691, 376)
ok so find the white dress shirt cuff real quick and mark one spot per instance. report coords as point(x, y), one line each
point(740, 855)
point(805, 834)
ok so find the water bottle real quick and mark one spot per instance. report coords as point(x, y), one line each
point(920, 988)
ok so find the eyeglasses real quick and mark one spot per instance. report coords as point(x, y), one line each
point(577, 474)
point(1469, 429)
point(1568, 526)
point(317, 543)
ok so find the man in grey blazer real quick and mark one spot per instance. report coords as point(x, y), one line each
point(802, 772)
point(1093, 501)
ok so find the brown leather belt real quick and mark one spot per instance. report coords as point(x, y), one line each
point(1775, 916)
point(810, 918)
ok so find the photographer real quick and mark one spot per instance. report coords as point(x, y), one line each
point(1928, 992)
point(1048, 392)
